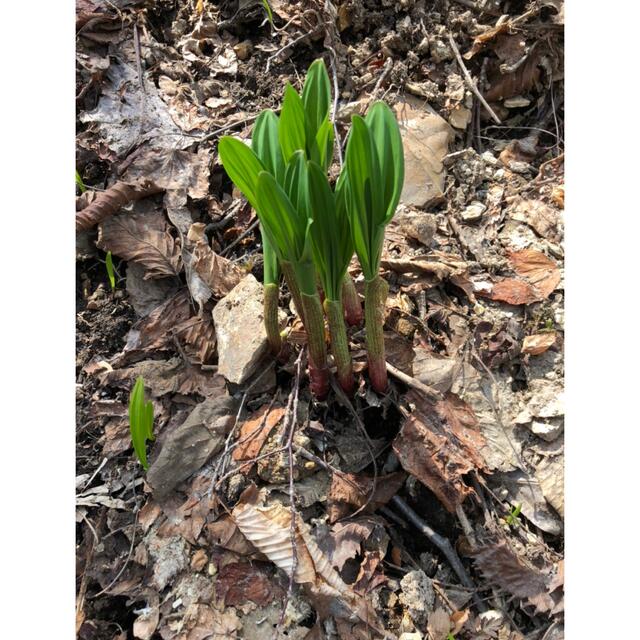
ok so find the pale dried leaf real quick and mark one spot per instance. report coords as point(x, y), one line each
point(439, 625)
point(142, 238)
point(541, 272)
point(538, 343)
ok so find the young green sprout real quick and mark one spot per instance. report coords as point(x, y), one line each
point(140, 421)
point(110, 270)
point(375, 175)
point(332, 251)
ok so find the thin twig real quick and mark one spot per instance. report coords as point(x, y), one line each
point(429, 392)
point(470, 83)
point(442, 543)
point(241, 237)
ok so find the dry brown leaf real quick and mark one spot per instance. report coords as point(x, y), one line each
point(224, 533)
point(254, 433)
point(349, 491)
point(486, 36)
point(142, 238)
point(146, 623)
point(542, 218)
point(154, 332)
point(439, 624)
point(238, 582)
point(516, 83)
point(539, 342)
point(346, 539)
point(199, 337)
point(110, 201)
point(439, 444)
point(269, 529)
point(511, 291)
point(218, 273)
point(540, 271)
point(167, 376)
point(502, 566)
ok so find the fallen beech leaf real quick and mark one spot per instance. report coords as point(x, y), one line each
point(439, 444)
point(269, 529)
point(350, 491)
point(254, 433)
point(538, 343)
point(142, 238)
point(539, 270)
point(512, 291)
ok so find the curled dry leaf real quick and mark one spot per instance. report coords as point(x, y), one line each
point(142, 238)
point(520, 81)
point(349, 491)
point(539, 342)
point(110, 201)
point(439, 444)
point(269, 529)
point(347, 538)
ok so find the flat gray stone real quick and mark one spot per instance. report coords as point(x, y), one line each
point(191, 444)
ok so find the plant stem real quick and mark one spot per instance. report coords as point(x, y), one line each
point(339, 343)
point(271, 323)
point(292, 283)
point(375, 295)
point(314, 326)
point(351, 301)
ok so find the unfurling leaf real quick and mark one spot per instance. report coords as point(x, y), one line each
point(140, 421)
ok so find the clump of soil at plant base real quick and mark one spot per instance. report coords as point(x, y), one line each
point(473, 259)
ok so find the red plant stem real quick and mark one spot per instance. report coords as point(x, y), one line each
point(351, 301)
point(314, 325)
point(271, 323)
point(375, 295)
point(339, 344)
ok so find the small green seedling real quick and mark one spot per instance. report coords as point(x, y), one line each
point(110, 270)
point(512, 519)
point(140, 421)
point(79, 183)
point(450, 636)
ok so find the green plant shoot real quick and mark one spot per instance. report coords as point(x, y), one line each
point(79, 182)
point(110, 270)
point(140, 421)
point(332, 250)
point(265, 144)
point(375, 175)
point(267, 8)
point(512, 519)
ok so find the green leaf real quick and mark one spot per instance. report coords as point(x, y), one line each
point(267, 8)
point(322, 152)
point(110, 270)
point(140, 421)
point(266, 145)
point(387, 140)
point(316, 98)
point(284, 227)
point(80, 183)
point(292, 124)
point(330, 236)
point(242, 165)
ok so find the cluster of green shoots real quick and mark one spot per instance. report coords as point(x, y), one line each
point(310, 229)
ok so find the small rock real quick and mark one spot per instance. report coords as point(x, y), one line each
point(243, 49)
point(460, 117)
point(240, 332)
point(473, 212)
point(417, 596)
point(440, 50)
point(418, 225)
point(546, 430)
point(411, 636)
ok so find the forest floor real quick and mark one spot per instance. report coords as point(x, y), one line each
point(434, 511)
